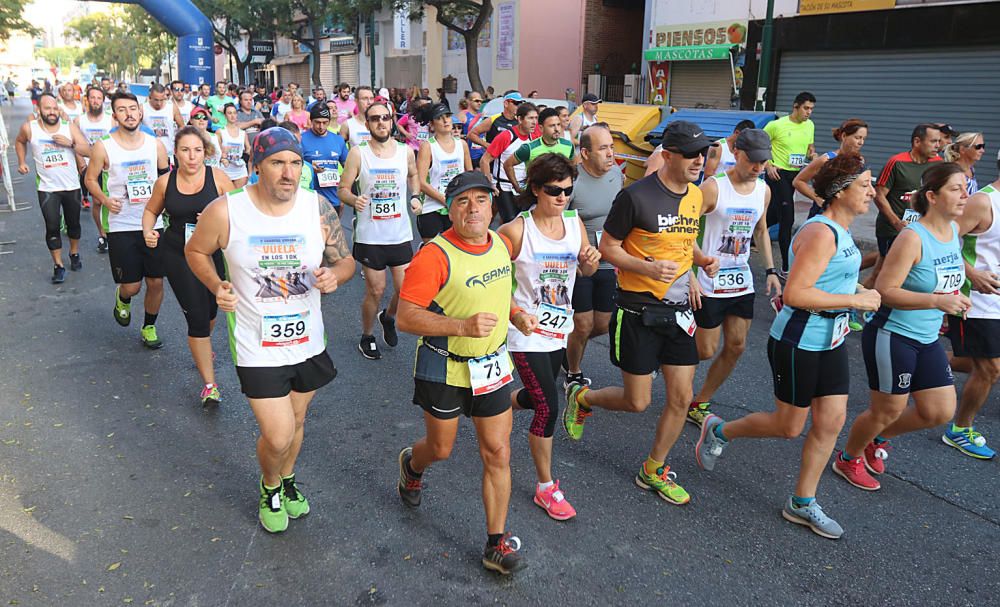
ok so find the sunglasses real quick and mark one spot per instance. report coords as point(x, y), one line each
point(380, 118)
point(199, 117)
point(554, 190)
point(476, 100)
point(690, 155)
point(177, 90)
point(979, 146)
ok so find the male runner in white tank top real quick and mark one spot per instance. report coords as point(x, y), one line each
point(354, 130)
point(182, 107)
point(734, 211)
point(976, 338)
point(94, 124)
point(160, 116)
point(284, 246)
point(132, 160)
point(383, 233)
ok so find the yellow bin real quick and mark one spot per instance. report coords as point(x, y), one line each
point(629, 126)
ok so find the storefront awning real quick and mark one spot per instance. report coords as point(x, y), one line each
point(288, 59)
point(688, 53)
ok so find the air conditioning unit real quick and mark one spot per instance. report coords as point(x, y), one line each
point(632, 92)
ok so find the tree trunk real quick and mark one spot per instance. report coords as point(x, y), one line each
point(314, 46)
point(472, 61)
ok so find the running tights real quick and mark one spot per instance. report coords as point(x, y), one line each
point(781, 211)
point(539, 372)
point(60, 205)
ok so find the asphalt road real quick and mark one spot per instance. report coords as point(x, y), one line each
point(117, 488)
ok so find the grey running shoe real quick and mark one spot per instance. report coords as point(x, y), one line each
point(812, 516)
point(709, 446)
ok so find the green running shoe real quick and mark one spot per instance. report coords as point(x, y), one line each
point(575, 414)
point(697, 413)
point(210, 395)
point(149, 338)
point(295, 503)
point(123, 311)
point(662, 483)
point(271, 510)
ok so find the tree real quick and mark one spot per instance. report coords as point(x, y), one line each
point(12, 19)
point(453, 14)
point(121, 39)
point(61, 56)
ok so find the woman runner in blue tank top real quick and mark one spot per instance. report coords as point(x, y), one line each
point(919, 284)
point(809, 360)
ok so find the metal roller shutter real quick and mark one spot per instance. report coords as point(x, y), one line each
point(893, 91)
point(295, 72)
point(348, 69)
point(701, 84)
point(328, 72)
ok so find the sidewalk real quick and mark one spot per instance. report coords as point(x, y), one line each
point(863, 228)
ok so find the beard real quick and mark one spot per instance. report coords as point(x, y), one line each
point(50, 119)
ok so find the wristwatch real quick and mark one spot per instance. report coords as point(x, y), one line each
point(770, 272)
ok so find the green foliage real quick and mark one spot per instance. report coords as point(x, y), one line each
point(121, 39)
point(12, 19)
point(61, 56)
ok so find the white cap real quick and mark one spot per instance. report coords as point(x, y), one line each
point(383, 92)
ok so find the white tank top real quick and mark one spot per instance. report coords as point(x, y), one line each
point(358, 132)
point(444, 167)
point(726, 235)
point(130, 178)
point(270, 263)
point(162, 123)
point(987, 250)
point(520, 169)
point(55, 165)
point(727, 159)
point(94, 131)
point(185, 110)
point(232, 150)
point(386, 219)
point(545, 272)
point(72, 113)
point(585, 122)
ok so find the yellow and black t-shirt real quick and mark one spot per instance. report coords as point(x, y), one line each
point(654, 223)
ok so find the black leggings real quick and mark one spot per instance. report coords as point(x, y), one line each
point(506, 209)
point(196, 301)
point(781, 211)
point(55, 204)
point(539, 372)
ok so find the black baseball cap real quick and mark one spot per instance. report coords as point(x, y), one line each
point(684, 137)
point(439, 110)
point(756, 143)
point(591, 98)
point(463, 182)
point(320, 110)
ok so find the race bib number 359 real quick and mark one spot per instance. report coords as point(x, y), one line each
point(281, 331)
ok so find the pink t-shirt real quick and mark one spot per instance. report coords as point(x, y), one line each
point(345, 109)
point(421, 131)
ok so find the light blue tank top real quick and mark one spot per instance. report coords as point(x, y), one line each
point(940, 270)
point(814, 331)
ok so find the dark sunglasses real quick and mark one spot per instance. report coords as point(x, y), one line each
point(177, 90)
point(476, 100)
point(199, 117)
point(690, 155)
point(380, 118)
point(554, 190)
point(979, 146)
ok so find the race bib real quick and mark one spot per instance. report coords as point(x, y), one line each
point(138, 181)
point(732, 280)
point(423, 135)
point(54, 156)
point(385, 210)
point(188, 231)
point(685, 320)
point(281, 331)
point(384, 193)
point(555, 322)
point(796, 160)
point(329, 177)
point(841, 327)
point(949, 278)
point(490, 373)
point(909, 216)
point(139, 191)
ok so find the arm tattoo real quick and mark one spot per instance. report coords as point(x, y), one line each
point(336, 244)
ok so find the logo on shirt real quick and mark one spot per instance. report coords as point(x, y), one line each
point(677, 223)
point(481, 280)
point(904, 380)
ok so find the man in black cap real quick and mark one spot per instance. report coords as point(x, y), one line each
point(456, 297)
point(650, 237)
point(326, 152)
point(585, 118)
point(735, 210)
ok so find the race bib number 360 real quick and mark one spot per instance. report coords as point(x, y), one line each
point(281, 331)
point(490, 373)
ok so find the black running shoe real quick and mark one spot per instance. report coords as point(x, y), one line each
point(74, 262)
point(388, 323)
point(102, 245)
point(368, 348)
point(409, 486)
point(58, 275)
point(503, 558)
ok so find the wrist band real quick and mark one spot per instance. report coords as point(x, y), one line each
point(515, 311)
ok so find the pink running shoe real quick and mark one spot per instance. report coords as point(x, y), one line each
point(854, 472)
point(875, 456)
point(554, 502)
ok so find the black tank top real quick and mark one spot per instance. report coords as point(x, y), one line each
point(184, 208)
point(500, 124)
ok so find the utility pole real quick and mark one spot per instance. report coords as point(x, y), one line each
point(766, 55)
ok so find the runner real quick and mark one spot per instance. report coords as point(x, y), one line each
point(276, 323)
point(326, 152)
point(976, 338)
point(355, 129)
point(182, 107)
point(233, 144)
point(386, 171)
point(550, 142)
point(94, 124)
point(413, 125)
point(183, 194)
point(486, 130)
point(792, 148)
point(809, 361)
point(503, 147)
point(462, 366)
point(549, 245)
point(200, 119)
point(967, 149)
point(851, 135)
point(586, 117)
point(216, 104)
point(598, 183)
point(159, 115)
point(346, 107)
point(735, 212)
point(441, 159)
point(650, 237)
point(919, 284)
point(69, 108)
point(468, 119)
point(53, 143)
point(722, 154)
point(131, 160)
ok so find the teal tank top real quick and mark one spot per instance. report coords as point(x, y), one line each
point(940, 270)
point(815, 331)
